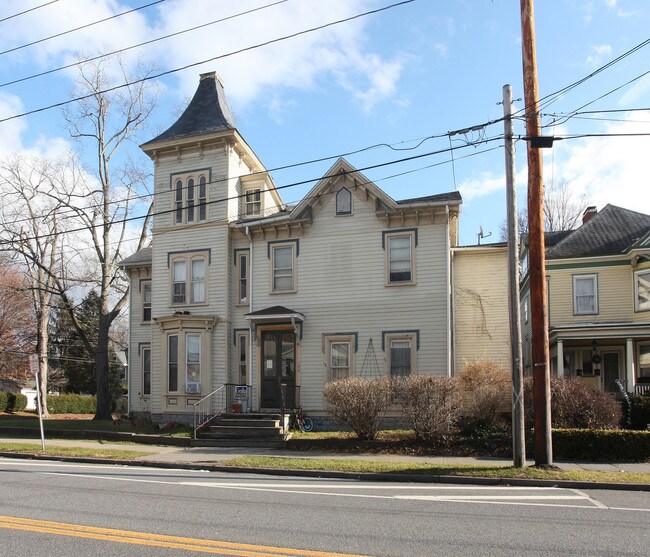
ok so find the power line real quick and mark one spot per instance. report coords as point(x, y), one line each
point(79, 28)
point(27, 11)
point(175, 70)
point(107, 54)
point(228, 198)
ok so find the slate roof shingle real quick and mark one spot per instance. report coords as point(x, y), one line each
point(611, 231)
point(208, 112)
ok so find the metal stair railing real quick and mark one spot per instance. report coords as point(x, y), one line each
point(204, 409)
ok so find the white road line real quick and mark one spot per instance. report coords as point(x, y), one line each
point(494, 497)
point(135, 470)
point(597, 503)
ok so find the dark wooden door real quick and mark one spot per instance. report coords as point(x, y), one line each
point(278, 368)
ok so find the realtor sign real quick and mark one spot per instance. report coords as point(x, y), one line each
point(241, 392)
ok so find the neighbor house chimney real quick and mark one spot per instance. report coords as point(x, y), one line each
point(589, 213)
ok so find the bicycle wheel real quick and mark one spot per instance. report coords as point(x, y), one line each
point(308, 425)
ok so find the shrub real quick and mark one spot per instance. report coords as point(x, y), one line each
point(16, 402)
point(430, 403)
point(488, 387)
point(609, 445)
point(640, 406)
point(575, 404)
point(358, 403)
point(4, 401)
point(71, 404)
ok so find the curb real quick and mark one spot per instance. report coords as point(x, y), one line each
point(361, 476)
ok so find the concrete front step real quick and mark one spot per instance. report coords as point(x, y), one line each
point(242, 431)
point(226, 442)
point(238, 422)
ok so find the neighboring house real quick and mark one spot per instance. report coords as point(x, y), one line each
point(238, 288)
point(598, 280)
point(481, 328)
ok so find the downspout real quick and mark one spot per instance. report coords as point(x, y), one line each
point(448, 281)
point(453, 314)
point(251, 326)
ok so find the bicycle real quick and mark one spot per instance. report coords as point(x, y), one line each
point(301, 422)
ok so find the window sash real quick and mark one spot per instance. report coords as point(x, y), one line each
point(146, 302)
point(203, 198)
point(146, 371)
point(642, 290)
point(400, 258)
point(585, 295)
point(192, 359)
point(253, 201)
point(339, 360)
point(179, 277)
point(283, 268)
point(190, 200)
point(400, 357)
point(172, 364)
point(242, 280)
point(197, 280)
point(242, 358)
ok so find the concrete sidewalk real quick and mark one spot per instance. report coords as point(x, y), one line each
point(170, 455)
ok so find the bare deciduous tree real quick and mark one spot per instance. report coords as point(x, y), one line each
point(100, 203)
point(562, 211)
point(30, 230)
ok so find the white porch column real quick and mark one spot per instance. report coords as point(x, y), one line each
point(560, 358)
point(629, 365)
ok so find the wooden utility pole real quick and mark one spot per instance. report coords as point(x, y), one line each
point(518, 438)
point(536, 254)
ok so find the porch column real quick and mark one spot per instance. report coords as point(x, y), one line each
point(629, 364)
point(560, 358)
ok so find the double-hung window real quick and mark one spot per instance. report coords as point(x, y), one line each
point(146, 302)
point(401, 352)
point(283, 267)
point(585, 294)
point(242, 270)
point(184, 360)
point(339, 355)
point(241, 341)
point(146, 371)
point(642, 290)
point(188, 276)
point(400, 257)
point(253, 202)
point(190, 198)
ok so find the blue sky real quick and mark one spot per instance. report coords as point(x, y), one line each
point(394, 78)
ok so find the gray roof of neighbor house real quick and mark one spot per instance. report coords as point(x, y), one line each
point(611, 231)
point(140, 257)
point(208, 112)
point(448, 196)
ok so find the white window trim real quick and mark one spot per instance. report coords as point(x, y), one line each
point(241, 341)
point(248, 205)
point(594, 278)
point(637, 306)
point(294, 264)
point(183, 384)
point(146, 285)
point(239, 257)
point(329, 341)
point(387, 239)
point(144, 371)
point(168, 362)
point(188, 259)
point(412, 337)
point(336, 203)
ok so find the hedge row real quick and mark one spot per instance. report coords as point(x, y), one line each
point(12, 402)
point(71, 404)
point(605, 444)
point(640, 406)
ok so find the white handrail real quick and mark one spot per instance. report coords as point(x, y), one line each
point(203, 408)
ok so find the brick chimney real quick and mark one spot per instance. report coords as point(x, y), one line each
point(589, 213)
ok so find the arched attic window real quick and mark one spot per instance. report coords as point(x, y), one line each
point(343, 202)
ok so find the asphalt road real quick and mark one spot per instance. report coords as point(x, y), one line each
point(55, 509)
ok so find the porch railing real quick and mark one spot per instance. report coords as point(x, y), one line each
point(208, 407)
point(643, 389)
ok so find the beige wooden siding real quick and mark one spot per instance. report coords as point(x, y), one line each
point(481, 306)
point(615, 295)
point(139, 334)
point(341, 288)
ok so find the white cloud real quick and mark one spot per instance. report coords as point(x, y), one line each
point(485, 184)
point(599, 53)
point(608, 169)
point(10, 139)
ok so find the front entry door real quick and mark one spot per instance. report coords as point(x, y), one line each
point(611, 365)
point(278, 368)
